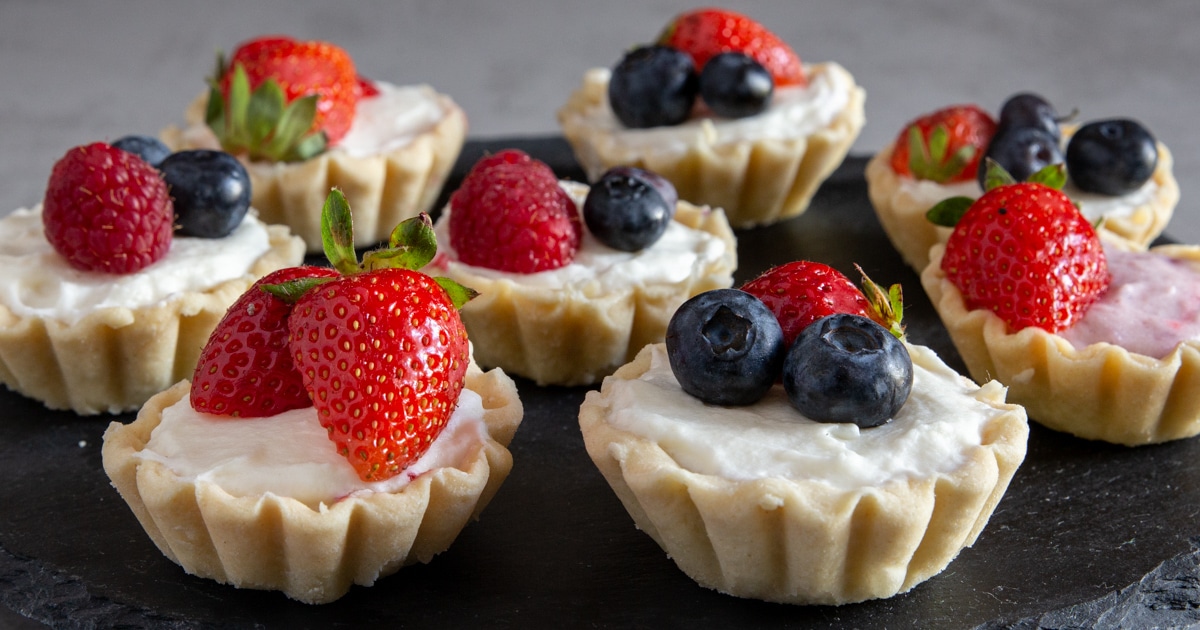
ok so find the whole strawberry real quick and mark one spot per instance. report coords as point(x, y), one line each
point(511, 215)
point(381, 349)
point(944, 146)
point(246, 368)
point(282, 99)
point(705, 33)
point(801, 292)
point(1025, 252)
point(107, 210)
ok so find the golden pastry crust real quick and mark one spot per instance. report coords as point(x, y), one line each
point(579, 334)
point(1101, 392)
point(802, 541)
point(114, 359)
point(382, 190)
point(902, 214)
point(756, 183)
point(311, 554)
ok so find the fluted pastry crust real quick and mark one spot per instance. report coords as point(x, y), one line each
point(311, 553)
point(802, 541)
point(382, 190)
point(114, 359)
point(1101, 392)
point(756, 182)
point(903, 216)
point(579, 334)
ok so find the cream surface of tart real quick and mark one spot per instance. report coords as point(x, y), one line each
point(761, 502)
point(39, 283)
point(577, 323)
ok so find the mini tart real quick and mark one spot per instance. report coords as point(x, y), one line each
point(805, 540)
point(311, 554)
point(902, 213)
point(1101, 392)
point(756, 182)
point(114, 359)
point(382, 189)
point(579, 333)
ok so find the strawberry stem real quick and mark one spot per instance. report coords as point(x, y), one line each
point(337, 233)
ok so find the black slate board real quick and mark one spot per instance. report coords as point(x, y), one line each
point(1081, 525)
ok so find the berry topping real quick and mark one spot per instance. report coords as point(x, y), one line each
point(802, 292)
point(1111, 157)
point(1024, 251)
point(149, 148)
point(511, 215)
point(1022, 151)
point(381, 350)
point(1027, 109)
point(847, 368)
point(246, 368)
point(734, 85)
point(653, 86)
point(629, 208)
point(211, 191)
point(107, 210)
point(944, 146)
point(706, 33)
point(282, 99)
point(725, 347)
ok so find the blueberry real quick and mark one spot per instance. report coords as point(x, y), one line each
point(210, 189)
point(653, 86)
point(725, 347)
point(150, 149)
point(1022, 151)
point(629, 208)
point(1029, 110)
point(1111, 157)
point(847, 368)
point(734, 85)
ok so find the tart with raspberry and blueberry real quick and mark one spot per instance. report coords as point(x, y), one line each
point(724, 109)
point(115, 280)
point(303, 121)
point(786, 443)
point(1119, 174)
point(334, 430)
point(1095, 337)
point(574, 280)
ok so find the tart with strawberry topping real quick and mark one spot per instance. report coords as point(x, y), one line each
point(941, 155)
point(723, 109)
point(574, 280)
point(303, 121)
point(108, 295)
point(1094, 336)
point(395, 438)
point(846, 465)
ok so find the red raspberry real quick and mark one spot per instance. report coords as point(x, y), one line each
point(107, 210)
point(511, 215)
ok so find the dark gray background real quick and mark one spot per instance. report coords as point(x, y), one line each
point(73, 71)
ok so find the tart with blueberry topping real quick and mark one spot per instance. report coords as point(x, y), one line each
point(574, 280)
point(846, 466)
point(724, 109)
point(303, 121)
point(1119, 174)
point(96, 319)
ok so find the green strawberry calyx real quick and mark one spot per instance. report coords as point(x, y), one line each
point(411, 245)
point(947, 212)
point(261, 124)
point(887, 306)
point(931, 160)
